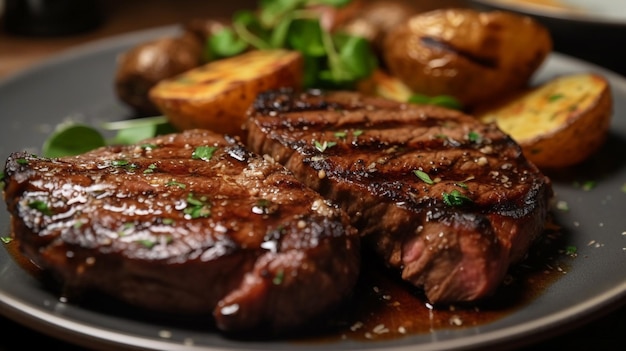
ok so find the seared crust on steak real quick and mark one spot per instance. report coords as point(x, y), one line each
point(188, 223)
point(448, 201)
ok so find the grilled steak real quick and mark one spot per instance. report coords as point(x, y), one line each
point(189, 224)
point(448, 201)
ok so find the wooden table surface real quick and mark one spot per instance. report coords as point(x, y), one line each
point(120, 16)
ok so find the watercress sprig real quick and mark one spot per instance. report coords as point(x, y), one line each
point(331, 60)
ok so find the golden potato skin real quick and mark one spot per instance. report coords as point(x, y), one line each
point(217, 95)
point(471, 55)
point(559, 123)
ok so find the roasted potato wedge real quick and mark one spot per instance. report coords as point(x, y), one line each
point(216, 95)
point(559, 123)
point(471, 55)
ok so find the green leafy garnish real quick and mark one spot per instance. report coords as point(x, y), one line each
point(321, 147)
point(586, 185)
point(40, 206)
point(571, 250)
point(175, 183)
point(147, 243)
point(197, 207)
point(132, 131)
point(473, 137)
point(6, 239)
point(423, 176)
point(279, 277)
point(439, 100)
point(331, 59)
point(72, 139)
point(456, 198)
point(203, 153)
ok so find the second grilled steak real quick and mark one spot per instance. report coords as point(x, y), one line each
point(188, 224)
point(448, 201)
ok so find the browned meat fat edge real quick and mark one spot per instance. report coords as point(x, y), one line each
point(167, 227)
point(362, 153)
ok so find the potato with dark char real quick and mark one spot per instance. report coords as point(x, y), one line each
point(473, 56)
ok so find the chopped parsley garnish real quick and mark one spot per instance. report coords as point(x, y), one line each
point(571, 250)
point(147, 243)
point(439, 100)
point(167, 221)
point(197, 207)
point(203, 153)
point(456, 198)
point(341, 135)
point(423, 176)
point(555, 97)
point(175, 183)
point(586, 185)
point(321, 147)
point(279, 277)
point(264, 206)
point(40, 206)
point(151, 168)
point(474, 137)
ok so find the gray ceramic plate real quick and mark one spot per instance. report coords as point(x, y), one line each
point(78, 85)
point(605, 12)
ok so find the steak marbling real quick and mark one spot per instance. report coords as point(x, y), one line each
point(189, 224)
point(448, 201)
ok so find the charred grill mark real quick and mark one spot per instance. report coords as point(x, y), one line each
point(488, 62)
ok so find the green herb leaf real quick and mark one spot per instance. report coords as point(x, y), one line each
point(72, 139)
point(148, 243)
point(423, 176)
point(133, 131)
point(321, 147)
point(6, 239)
point(197, 207)
point(224, 43)
point(40, 206)
point(474, 137)
point(571, 250)
point(455, 198)
point(331, 60)
point(279, 277)
point(204, 153)
point(439, 100)
point(175, 183)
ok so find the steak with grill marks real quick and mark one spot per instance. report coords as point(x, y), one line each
point(188, 224)
point(449, 202)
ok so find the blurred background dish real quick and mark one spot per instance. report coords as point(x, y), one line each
point(594, 30)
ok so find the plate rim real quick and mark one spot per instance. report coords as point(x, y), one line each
point(554, 14)
point(32, 317)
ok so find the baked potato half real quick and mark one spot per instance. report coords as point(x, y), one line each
point(217, 95)
point(559, 123)
point(471, 55)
